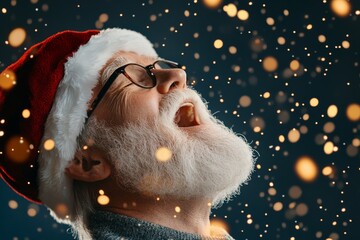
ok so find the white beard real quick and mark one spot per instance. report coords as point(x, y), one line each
point(208, 161)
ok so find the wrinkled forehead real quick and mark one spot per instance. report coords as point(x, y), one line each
point(131, 57)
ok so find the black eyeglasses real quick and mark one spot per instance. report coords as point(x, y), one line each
point(139, 75)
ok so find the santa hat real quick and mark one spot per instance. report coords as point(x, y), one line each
point(43, 100)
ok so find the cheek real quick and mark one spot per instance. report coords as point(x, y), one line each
point(145, 106)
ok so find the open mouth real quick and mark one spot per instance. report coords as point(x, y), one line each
point(186, 116)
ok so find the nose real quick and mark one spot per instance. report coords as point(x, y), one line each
point(169, 79)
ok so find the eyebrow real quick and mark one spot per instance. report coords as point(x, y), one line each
point(111, 67)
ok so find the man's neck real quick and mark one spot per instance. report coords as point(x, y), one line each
point(191, 215)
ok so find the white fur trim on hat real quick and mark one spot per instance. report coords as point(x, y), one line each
point(67, 116)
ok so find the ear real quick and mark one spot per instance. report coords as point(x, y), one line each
point(88, 166)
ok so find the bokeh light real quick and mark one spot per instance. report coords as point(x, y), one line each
point(212, 3)
point(17, 149)
point(17, 36)
point(243, 15)
point(306, 169)
point(230, 9)
point(218, 43)
point(341, 8)
point(49, 144)
point(270, 64)
point(163, 154)
point(7, 79)
point(353, 112)
point(332, 111)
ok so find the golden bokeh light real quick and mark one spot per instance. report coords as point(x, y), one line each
point(219, 223)
point(356, 142)
point(314, 102)
point(32, 210)
point(103, 199)
point(301, 209)
point(294, 65)
point(281, 138)
point(61, 210)
point(328, 148)
point(26, 113)
point(281, 40)
point(270, 64)
point(17, 36)
point(13, 204)
point(245, 101)
point(243, 15)
point(257, 124)
point(293, 135)
point(163, 154)
point(177, 209)
point(232, 50)
point(278, 206)
point(230, 9)
point(212, 3)
point(326, 171)
point(103, 18)
point(295, 192)
point(7, 79)
point(17, 149)
point(353, 112)
point(266, 95)
point(345, 44)
point(49, 144)
point(332, 111)
point(306, 169)
point(329, 127)
point(218, 43)
point(321, 38)
point(270, 21)
point(341, 8)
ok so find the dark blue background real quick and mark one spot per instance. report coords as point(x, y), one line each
point(325, 196)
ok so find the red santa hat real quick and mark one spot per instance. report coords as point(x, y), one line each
point(44, 99)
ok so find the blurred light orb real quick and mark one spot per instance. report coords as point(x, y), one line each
point(326, 171)
point(294, 65)
point(230, 9)
point(257, 123)
point(49, 144)
point(341, 8)
point(281, 40)
point(17, 36)
point(13, 204)
point(295, 192)
point(270, 21)
point(103, 200)
point(314, 102)
point(270, 64)
point(345, 44)
point(329, 127)
point(245, 101)
point(163, 154)
point(218, 43)
point(321, 38)
point(25, 113)
point(212, 3)
point(278, 206)
point(293, 135)
point(301, 209)
point(7, 79)
point(306, 169)
point(353, 112)
point(328, 148)
point(243, 15)
point(17, 149)
point(332, 111)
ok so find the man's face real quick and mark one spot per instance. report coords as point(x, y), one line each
point(208, 160)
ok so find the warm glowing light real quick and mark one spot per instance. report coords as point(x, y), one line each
point(306, 169)
point(232, 50)
point(314, 102)
point(301, 209)
point(281, 138)
point(345, 44)
point(163, 154)
point(230, 9)
point(26, 113)
point(353, 112)
point(341, 8)
point(13, 204)
point(218, 43)
point(293, 135)
point(281, 40)
point(103, 200)
point(266, 95)
point(294, 65)
point(295, 192)
point(329, 127)
point(49, 144)
point(61, 210)
point(326, 171)
point(321, 38)
point(278, 206)
point(17, 149)
point(17, 37)
point(257, 124)
point(7, 79)
point(270, 64)
point(243, 15)
point(270, 21)
point(328, 148)
point(245, 101)
point(31, 212)
point(272, 191)
point(332, 111)
point(103, 18)
point(212, 3)
point(219, 223)
point(356, 142)
point(177, 209)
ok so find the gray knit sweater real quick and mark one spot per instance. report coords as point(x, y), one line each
point(111, 226)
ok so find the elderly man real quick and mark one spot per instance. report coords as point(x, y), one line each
point(111, 139)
